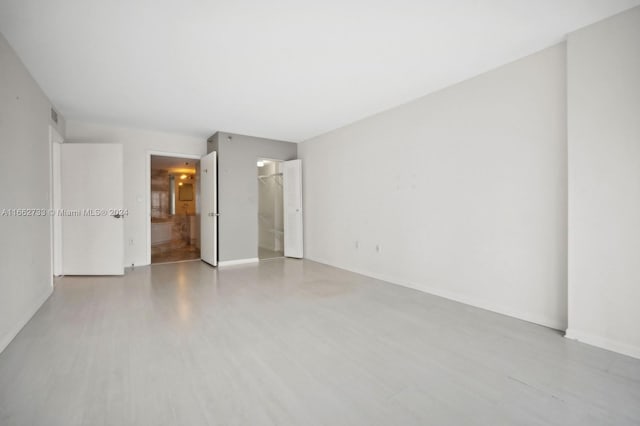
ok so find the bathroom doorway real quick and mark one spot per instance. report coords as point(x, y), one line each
point(175, 212)
point(270, 209)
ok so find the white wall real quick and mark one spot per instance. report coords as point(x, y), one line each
point(25, 253)
point(137, 144)
point(604, 183)
point(464, 191)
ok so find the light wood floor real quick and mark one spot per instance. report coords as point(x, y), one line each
point(290, 342)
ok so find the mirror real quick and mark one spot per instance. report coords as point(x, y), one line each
point(185, 192)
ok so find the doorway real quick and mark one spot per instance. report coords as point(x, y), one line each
point(270, 209)
point(174, 209)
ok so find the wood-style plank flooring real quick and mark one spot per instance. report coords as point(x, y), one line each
point(289, 342)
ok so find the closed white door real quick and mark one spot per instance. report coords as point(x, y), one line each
point(292, 197)
point(208, 210)
point(92, 209)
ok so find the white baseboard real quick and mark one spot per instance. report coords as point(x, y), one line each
point(238, 261)
point(525, 316)
point(603, 342)
point(10, 334)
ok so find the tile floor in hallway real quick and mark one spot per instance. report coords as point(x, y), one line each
point(293, 342)
point(175, 254)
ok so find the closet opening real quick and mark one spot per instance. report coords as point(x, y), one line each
point(270, 209)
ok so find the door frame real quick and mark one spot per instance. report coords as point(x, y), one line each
point(148, 188)
point(55, 191)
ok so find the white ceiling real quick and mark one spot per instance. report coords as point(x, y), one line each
point(283, 69)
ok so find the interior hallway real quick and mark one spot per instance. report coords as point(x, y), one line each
point(293, 342)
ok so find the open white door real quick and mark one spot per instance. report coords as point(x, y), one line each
point(208, 209)
point(92, 209)
point(292, 194)
point(55, 202)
